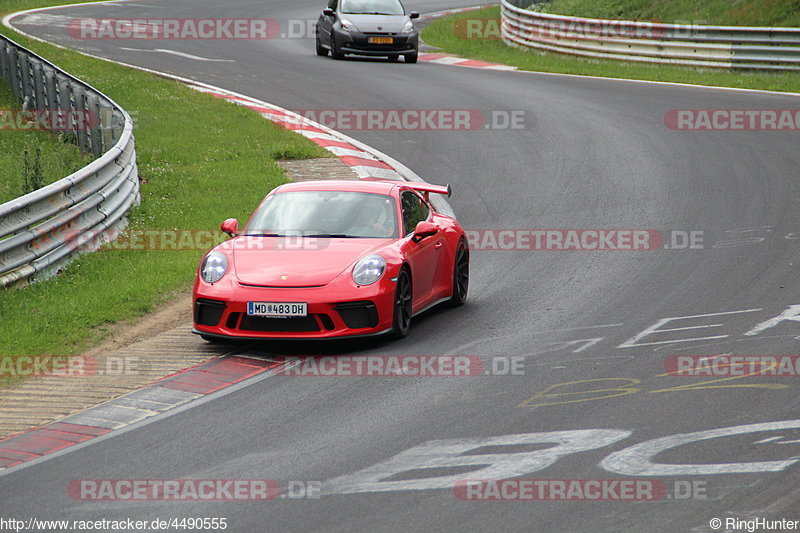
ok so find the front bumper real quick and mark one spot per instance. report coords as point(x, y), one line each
point(220, 311)
point(358, 43)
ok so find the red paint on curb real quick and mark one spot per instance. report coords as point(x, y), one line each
point(358, 161)
point(204, 378)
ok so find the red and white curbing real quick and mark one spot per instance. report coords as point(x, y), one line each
point(365, 163)
point(445, 59)
point(164, 395)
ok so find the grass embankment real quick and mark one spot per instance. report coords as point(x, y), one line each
point(201, 160)
point(56, 160)
point(449, 35)
point(715, 12)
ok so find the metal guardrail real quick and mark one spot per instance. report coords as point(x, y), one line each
point(740, 47)
point(42, 230)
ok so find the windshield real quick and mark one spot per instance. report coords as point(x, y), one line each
point(325, 214)
point(372, 7)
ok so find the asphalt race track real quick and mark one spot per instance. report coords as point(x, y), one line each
point(592, 154)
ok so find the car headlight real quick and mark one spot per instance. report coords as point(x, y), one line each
point(214, 267)
point(348, 26)
point(369, 269)
point(408, 28)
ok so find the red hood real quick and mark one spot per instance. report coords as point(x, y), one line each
point(265, 260)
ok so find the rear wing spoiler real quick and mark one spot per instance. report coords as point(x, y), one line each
point(427, 188)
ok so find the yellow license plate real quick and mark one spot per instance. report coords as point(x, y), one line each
point(381, 40)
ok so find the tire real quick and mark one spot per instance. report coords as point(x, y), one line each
point(401, 323)
point(460, 276)
point(411, 58)
point(320, 50)
point(335, 53)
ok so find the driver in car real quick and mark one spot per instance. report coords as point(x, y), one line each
point(374, 220)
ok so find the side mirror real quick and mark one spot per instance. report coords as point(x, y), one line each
point(424, 229)
point(413, 15)
point(230, 227)
point(328, 12)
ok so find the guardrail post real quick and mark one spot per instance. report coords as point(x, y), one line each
point(117, 125)
point(51, 91)
point(64, 102)
point(14, 77)
point(39, 95)
point(4, 68)
point(93, 121)
point(107, 125)
point(79, 99)
point(26, 83)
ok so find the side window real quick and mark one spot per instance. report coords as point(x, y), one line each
point(414, 211)
point(332, 4)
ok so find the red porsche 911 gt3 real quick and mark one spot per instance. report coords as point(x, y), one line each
point(334, 258)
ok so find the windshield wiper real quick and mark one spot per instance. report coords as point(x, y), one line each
point(331, 236)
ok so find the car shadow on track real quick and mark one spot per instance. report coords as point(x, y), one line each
point(380, 345)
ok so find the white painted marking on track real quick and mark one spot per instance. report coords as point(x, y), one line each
point(610, 360)
point(176, 53)
point(579, 327)
point(448, 60)
point(506, 68)
point(634, 341)
point(586, 343)
point(791, 314)
point(637, 460)
point(364, 171)
point(455, 453)
point(131, 4)
point(46, 20)
point(336, 150)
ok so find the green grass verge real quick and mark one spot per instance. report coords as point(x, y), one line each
point(58, 158)
point(443, 34)
point(201, 159)
point(715, 12)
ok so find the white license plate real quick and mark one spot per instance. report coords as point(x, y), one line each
point(277, 309)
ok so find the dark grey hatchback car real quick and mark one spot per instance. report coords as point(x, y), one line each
point(368, 28)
